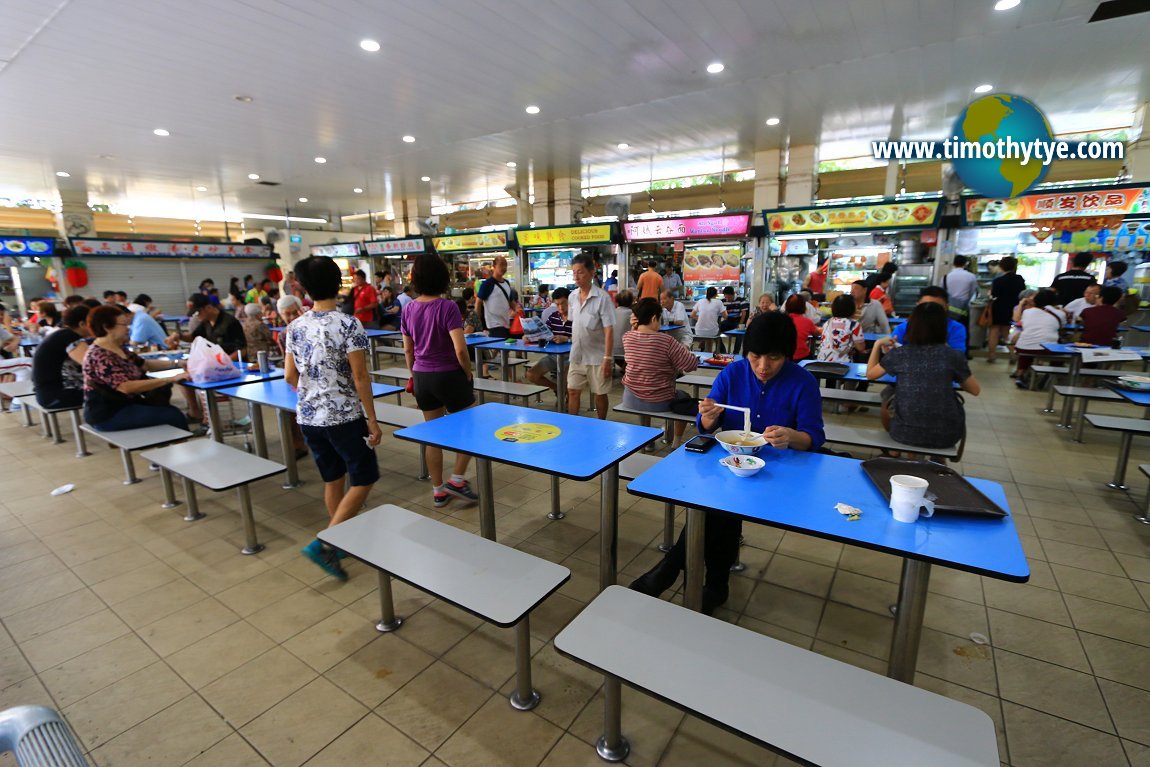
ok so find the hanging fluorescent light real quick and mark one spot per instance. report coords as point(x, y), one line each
point(301, 219)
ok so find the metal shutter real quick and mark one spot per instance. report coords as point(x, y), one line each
point(168, 281)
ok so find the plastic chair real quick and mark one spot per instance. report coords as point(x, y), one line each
point(39, 738)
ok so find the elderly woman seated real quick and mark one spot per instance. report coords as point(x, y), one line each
point(785, 408)
point(256, 332)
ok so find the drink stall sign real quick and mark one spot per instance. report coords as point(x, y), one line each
point(93, 247)
point(1065, 203)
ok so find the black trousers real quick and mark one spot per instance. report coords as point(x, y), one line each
point(720, 548)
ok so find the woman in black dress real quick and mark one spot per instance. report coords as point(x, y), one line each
point(1004, 292)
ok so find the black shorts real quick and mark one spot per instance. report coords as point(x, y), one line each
point(450, 390)
point(343, 449)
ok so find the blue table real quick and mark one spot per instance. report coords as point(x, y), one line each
point(798, 491)
point(582, 449)
point(561, 351)
point(857, 372)
point(209, 388)
point(1141, 328)
point(281, 396)
point(177, 320)
point(1075, 355)
point(669, 328)
point(706, 356)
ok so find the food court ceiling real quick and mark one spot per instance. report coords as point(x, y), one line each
point(85, 82)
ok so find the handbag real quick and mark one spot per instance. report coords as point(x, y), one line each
point(986, 318)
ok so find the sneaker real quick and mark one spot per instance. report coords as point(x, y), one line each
point(439, 500)
point(463, 491)
point(241, 423)
point(327, 559)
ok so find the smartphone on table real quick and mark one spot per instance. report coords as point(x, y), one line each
point(700, 444)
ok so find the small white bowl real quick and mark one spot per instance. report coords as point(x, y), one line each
point(743, 465)
point(728, 438)
point(1135, 382)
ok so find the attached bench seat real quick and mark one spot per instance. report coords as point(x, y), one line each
point(482, 385)
point(667, 416)
point(1130, 428)
point(631, 467)
point(881, 440)
point(138, 439)
point(217, 467)
point(1087, 394)
point(805, 706)
point(14, 390)
point(489, 580)
point(1144, 517)
point(1051, 370)
point(852, 396)
point(52, 422)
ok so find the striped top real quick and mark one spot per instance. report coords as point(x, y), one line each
point(654, 361)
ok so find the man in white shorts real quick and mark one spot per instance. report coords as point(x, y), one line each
point(592, 315)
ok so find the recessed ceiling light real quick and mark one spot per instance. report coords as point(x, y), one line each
point(532, 110)
point(409, 139)
point(773, 121)
point(984, 88)
point(303, 199)
point(357, 190)
point(371, 46)
point(512, 164)
point(244, 99)
point(161, 132)
point(107, 157)
point(623, 145)
point(321, 160)
point(1006, 5)
point(715, 67)
point(63, 174)
point(254, 176)
point(201, 189)
point(425, 178)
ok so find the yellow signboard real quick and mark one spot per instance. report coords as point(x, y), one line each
point(566, 235)
point(891, 215)
point(475, 241)
point(527, 432)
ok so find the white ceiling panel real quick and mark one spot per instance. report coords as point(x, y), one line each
point(93, 78)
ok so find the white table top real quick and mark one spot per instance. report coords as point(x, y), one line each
point(810, 706)
point(137, 439)
point(495, 582)
point(212, 464)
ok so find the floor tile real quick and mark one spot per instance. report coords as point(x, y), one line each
point(498, 733)
point(56, 646)
point(256, 686)
point(372, 741)
point(212, 657)
point(184, 628)
point(375, 672)
point(857, 630)
point(1037, 639)
point(332, 639)
point(433, 705)
point(1109, 620)
point(1052, 689)
point(122, 705)
point(1128, 706)
point(1103, 588)
point(1036, 738)
point(94, 670)
point(305, 722)
point(173, 736)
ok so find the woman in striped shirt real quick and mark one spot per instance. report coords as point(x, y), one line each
point(654, 361)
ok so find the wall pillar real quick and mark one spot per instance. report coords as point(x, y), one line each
point(802, 170)
point(768, 164)
point(1138, 151)
point(568, 201)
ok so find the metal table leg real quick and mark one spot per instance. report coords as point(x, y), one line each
point(908, 620)
point(1081, 420)
point(668, 528)
point(1050, 397)
point(525, 697)
point(194, 512)
point(555, 512)
point(251, 545)
point(486, 498)
point(26, 412)
point(388, 621)
point(612, 746)
point(608, 525)
point(170, 501)
point(213, 416)
point(424, 474)
point(1075, 364)
point(1144, 517)
point(1119, 481)
point(561, 382)
point(78, 433)
point(504, 358)
point(283, 417)
point(53, 428)
point(130, 472)
point(258, 434)
point(693, 590)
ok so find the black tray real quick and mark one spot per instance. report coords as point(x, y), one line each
point(829, 369)
point(951, 492)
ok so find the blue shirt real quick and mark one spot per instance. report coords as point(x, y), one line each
point(1118, 282)
point(955, 334)
point(790, 399)
point(145, 330)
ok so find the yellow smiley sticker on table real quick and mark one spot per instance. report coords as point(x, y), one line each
point(527, 432)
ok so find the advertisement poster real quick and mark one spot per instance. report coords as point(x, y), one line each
point(908, 214)
point(27, 246)
point(712, 264)
point(1099, 203)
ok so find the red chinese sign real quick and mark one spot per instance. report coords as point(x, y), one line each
point(83, 246)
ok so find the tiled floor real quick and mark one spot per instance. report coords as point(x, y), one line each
point(163, 645)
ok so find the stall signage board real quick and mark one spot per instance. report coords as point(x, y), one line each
point(336, 250)
point(1130, 201)
point(907, 214)
point(1126, 235)
point(455, 243)
point(27, 246)
point(736, 225)
point(596, 234)
point(395, 247)
point(94, 247)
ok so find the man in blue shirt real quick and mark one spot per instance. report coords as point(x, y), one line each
point(955, 331)
point(786, 409)
point(145, 329)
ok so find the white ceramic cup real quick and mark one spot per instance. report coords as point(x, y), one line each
point(908, 496)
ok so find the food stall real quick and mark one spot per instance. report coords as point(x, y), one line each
point(857, 239)
point(349, 256)
point(393, 254)
point(23, 261)
point(470, 254)
point(168, 271)
point(1045, 227)
point(712, 251)
point(548, 250)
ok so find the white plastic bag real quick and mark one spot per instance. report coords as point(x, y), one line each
point(208, 362)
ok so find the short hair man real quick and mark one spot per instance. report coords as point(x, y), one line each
point(495, 298)
point(955, 331)
point(1072, 283)
point(216, 326)
point(592, 338)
